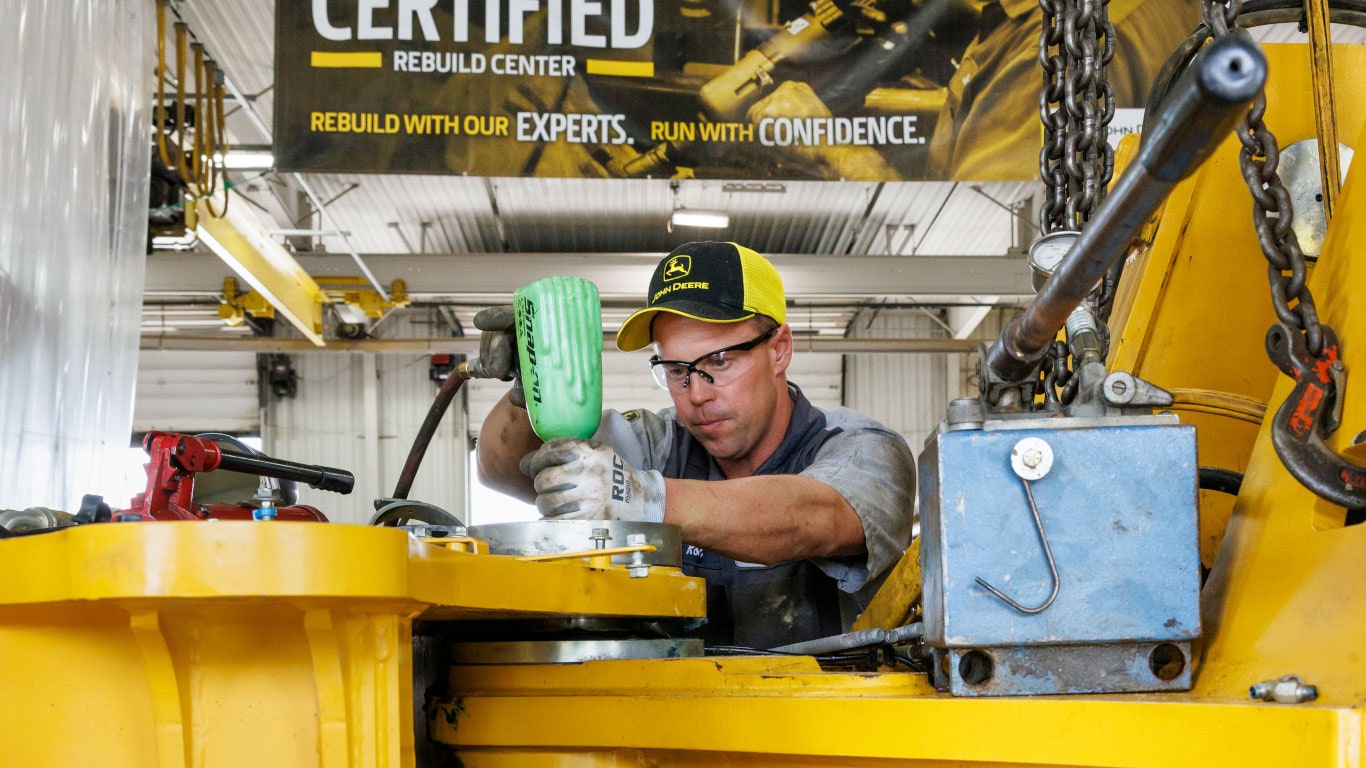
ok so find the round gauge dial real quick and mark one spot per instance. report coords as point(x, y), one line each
point(1047, 253)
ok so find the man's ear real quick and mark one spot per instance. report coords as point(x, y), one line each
point(782, 348)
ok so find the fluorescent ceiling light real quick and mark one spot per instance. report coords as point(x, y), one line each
point(685, 217)
point(248, 160)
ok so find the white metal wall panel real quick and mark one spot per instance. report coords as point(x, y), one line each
point(361, 413)
point(322, 425)
point(196, 392)
point(906, 392)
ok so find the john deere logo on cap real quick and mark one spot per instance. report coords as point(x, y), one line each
point(677, 266)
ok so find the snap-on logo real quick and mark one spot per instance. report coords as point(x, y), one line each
point(676, 267)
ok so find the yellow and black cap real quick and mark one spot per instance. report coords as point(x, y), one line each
point(709, 281)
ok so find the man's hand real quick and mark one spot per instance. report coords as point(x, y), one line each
point(498, 350)
point(586, 480)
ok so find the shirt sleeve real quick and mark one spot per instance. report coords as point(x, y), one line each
point(873, 468)
point(641, 438)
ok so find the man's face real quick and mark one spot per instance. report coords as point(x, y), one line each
point(733, 419)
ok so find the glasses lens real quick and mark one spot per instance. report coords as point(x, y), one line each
point(669, 375)
point(722, 367)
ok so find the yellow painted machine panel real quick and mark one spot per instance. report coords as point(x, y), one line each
point(253, 644)
point(1192, 310)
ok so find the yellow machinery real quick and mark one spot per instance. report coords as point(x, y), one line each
point(294, 644)
point(1282, 599)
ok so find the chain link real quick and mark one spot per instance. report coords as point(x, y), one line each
point(1272, 212)
point(1076, 105)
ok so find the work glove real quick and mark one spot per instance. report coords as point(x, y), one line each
point(498, 350)
point(586, 480)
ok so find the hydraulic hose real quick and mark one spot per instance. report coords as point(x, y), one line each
point(444, 396)
point(1219, 480)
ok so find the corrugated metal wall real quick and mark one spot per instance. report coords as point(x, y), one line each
point(196, 392)
point(360, 412)
point(906, 392)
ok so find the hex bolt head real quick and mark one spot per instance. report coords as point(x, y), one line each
point(1031, 458)
point(600, 537)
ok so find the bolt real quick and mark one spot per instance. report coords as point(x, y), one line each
point(638, 569)
point(1119, 387)
point(600, 537)
point(1032, 458)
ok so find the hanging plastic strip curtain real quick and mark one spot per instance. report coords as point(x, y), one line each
point(74, 157)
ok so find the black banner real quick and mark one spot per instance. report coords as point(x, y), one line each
point(857, 89)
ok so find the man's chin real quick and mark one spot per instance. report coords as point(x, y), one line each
point(713, 440)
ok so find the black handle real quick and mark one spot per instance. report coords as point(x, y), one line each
point(316, 476)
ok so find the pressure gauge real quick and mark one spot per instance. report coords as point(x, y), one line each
point(1047, 253)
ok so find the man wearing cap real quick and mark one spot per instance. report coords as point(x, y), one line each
point(783, 507)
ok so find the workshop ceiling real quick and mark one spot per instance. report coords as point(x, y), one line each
point(436, 216)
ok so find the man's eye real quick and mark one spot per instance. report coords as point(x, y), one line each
point(675, 371)
point(716, 362)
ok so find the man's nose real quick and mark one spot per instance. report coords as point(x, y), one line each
point(698, 389)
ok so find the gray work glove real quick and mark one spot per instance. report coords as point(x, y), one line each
point(586, 480)
point(498, 350)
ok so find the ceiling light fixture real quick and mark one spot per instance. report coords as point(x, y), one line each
point(687, 217)
point(247, 158)
point(694, 217)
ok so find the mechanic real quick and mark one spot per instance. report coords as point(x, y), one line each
point(791, 513)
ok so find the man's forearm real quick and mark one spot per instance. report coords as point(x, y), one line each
point(769, 519)
point(504, 439)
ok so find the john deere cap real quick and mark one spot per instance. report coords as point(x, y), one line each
point(712, 282)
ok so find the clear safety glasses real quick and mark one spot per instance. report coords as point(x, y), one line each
point(718, 368)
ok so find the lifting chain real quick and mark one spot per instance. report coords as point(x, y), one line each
point(1076, 163)
point(1076, 105)
point(1302, 347)
point(1272, 212)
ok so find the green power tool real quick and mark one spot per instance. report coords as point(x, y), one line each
point(558, 323)
point(559, 348)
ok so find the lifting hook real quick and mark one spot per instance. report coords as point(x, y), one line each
point(1308, 414)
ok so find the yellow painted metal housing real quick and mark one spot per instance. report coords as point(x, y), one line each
point(253, 644)
point(1192, 310)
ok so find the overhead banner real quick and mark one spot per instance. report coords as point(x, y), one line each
point(778, 89)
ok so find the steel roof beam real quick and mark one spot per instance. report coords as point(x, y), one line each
point(470, 345)
point(625, 275)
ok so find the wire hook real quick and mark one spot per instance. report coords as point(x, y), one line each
point(1048, 553)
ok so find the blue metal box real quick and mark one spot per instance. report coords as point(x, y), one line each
point(1118, 509)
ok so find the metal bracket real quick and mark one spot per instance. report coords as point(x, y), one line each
point(598, 559)
point(1306, 417)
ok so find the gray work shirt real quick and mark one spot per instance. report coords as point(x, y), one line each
point(868, 464)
